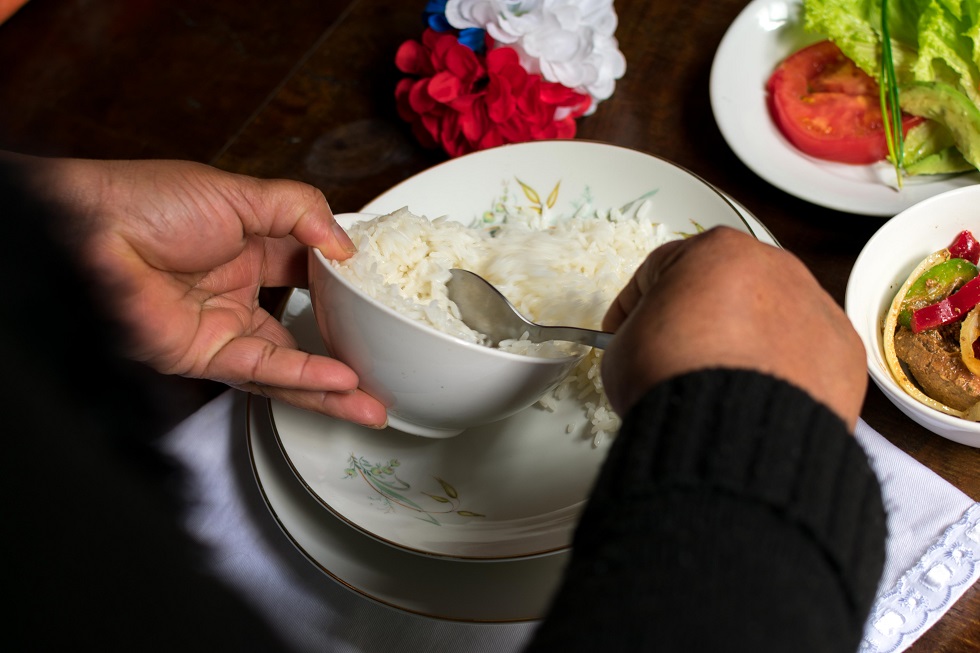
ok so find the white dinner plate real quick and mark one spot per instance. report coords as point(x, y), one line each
point(763, 34)
point(491, 592)
point(508, 490)
point(514, 488)
point(511, 489)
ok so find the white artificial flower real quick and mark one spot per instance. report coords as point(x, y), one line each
point(570, 42)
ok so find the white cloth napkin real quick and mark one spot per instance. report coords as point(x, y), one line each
point(933, 552)
point(933, 548)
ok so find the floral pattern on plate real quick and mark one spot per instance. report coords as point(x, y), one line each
point(391, 492)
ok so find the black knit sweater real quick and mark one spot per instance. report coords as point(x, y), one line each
point(734, 513)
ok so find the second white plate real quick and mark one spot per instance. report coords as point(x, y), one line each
point(765, 33)
point(511, 591)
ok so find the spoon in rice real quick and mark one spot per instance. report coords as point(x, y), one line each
point(483, 308)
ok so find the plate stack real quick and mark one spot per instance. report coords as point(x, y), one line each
point(476, 527)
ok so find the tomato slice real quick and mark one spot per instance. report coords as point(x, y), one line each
point(828, 107)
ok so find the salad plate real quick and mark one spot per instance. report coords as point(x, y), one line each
point(514, 591)
point(763, 34)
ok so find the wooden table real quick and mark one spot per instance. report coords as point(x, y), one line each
point(304, 90)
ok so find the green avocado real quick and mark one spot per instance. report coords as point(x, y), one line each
point(924, 140)
point(951, 109)
point(943, 162)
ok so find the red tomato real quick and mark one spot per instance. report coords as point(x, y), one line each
point(828, 107)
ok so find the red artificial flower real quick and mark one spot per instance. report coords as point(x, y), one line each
point(462, 102)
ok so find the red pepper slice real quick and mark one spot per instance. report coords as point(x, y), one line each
point(947, 310)
point(965, 246)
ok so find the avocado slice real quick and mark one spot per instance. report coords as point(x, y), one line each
point(924, 140)
point(950, 108)
point(944, 162)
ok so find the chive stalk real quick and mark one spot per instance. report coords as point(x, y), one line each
point(891, 111)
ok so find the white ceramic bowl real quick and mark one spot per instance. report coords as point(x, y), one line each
point(884, 264)
point(435, 385)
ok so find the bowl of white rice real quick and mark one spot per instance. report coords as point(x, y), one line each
point(558, 227)
point(385, 312)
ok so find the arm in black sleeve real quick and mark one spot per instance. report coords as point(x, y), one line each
point(733, 513)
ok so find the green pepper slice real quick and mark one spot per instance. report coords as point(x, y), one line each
point(935, 284)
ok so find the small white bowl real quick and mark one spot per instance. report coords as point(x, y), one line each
point(884, 264)
point(434, 385)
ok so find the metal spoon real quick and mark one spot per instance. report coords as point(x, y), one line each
point(483, 308)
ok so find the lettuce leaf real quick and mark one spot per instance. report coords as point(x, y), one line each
point(932, 40)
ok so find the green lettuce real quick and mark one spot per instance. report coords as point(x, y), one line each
point(932, 41)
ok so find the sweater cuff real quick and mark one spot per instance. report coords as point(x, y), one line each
point(750, 435)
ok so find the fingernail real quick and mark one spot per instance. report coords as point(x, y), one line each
point(343, 239)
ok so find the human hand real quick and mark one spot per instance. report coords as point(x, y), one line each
point(182, 250)
point(723, 299)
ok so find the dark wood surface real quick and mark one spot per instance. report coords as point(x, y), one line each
point(304, 90)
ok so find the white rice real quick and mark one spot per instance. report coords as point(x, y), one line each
point(555, 269)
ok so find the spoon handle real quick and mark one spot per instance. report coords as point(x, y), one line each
point(588, 337)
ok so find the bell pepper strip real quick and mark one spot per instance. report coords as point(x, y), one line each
point(965, 246)
point(949, 309)
point(935, 284)
point(970, 341)
point(888, 337)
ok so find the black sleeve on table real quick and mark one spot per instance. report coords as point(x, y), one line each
point(733, 513)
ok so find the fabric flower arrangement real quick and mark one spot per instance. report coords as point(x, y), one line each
point(490, 72)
